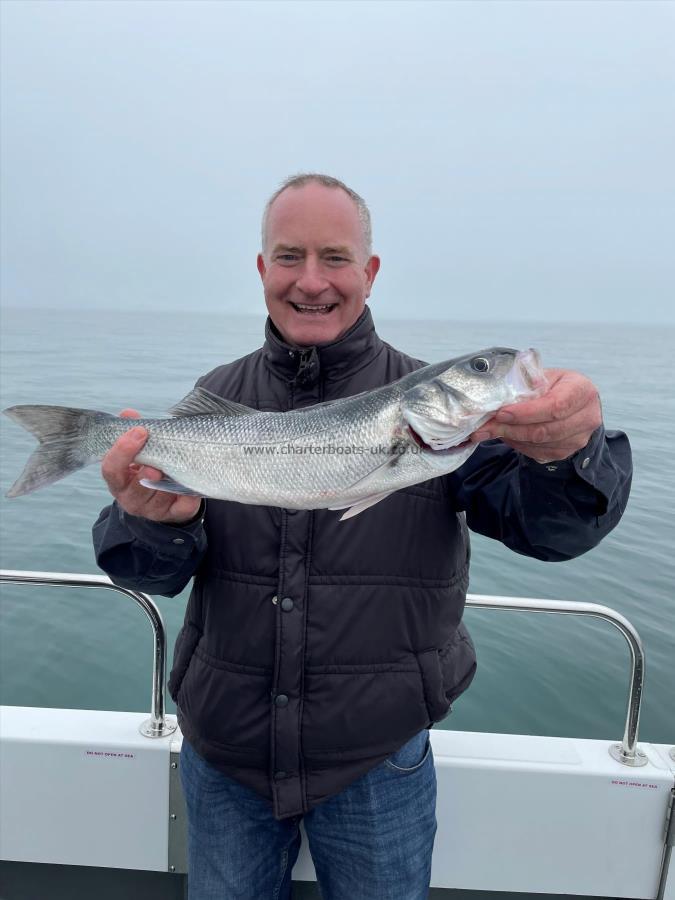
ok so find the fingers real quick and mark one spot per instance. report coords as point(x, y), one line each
point(568, 393)
point(123, 475)
point(551, 427)
point(139, 470)
point(149, 473)
point(179, 508)
point(117, 461)
point(552, 432)
point(158, 506)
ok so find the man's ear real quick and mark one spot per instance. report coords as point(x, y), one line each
point(372, 268)
point(260, 263)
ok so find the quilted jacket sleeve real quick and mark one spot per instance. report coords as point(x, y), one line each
point(148, 556)
point(552, 511)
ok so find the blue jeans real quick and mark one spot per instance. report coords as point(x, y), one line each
point(372, 841)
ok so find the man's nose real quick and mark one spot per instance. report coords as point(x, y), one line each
point(311, 281)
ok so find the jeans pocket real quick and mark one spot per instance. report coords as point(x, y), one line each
point(198, 777)
point(411, 756)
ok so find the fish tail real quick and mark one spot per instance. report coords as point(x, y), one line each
point(63, 434)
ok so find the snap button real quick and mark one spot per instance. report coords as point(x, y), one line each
point(281, 700)
point(551, 468)
point(586, 463)
point(287, 604)
point(279, 775)
point(178, 541)
point(275, 600)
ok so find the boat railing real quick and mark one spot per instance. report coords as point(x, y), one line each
point(626, 752)
point(157, 725)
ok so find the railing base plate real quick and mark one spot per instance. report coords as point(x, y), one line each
point(616, 752)
point(155, 730)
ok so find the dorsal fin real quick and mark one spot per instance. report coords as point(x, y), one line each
point(200, 402)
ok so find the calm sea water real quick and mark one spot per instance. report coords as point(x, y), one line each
point(538, 674)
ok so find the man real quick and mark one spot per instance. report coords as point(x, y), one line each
point(315, 653)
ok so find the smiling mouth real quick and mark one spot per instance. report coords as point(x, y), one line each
point(307, 309)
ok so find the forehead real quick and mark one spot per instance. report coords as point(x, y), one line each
point(314, 215)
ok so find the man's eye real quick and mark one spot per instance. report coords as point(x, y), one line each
point(337, 259)
point(287, 257)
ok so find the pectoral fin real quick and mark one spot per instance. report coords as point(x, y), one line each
point(392, 456)
point(359, 507)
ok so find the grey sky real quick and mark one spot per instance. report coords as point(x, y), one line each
point(517, 157)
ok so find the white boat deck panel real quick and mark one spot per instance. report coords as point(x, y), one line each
point(515, 812)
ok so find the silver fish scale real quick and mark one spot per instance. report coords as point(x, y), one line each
point(332, 454)
point(298, 459)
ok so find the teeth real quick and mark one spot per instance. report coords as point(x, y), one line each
point(303, 306)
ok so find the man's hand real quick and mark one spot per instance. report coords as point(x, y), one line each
point(122, 476)
point(551, 427)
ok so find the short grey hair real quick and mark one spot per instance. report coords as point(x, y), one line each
point(300, 180)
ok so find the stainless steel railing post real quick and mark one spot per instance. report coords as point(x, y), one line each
point(156, 725)
point(627, 751)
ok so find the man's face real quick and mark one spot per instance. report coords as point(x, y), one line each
point(315, 272)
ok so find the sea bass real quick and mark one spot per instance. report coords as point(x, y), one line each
point(343, 454)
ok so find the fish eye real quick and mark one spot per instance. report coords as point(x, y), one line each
point(480, 364)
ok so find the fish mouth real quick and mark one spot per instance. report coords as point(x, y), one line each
point(448, 451)
point(313, 309)
point(528, 375)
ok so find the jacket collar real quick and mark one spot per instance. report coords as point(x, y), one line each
point(306, 365)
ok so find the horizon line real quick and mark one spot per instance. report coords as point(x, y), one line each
point(380, 318)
